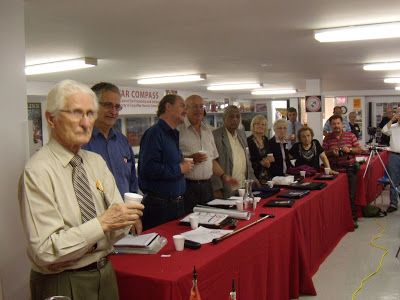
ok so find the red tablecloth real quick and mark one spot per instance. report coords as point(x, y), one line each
point(274, 259)
point(367, 187)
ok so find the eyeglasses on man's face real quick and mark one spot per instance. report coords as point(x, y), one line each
point(194, 106)
point(78, 115)
point(110, 106)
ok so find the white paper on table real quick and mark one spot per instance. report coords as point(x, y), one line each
point(204, 235)
point(241, 198)
point(208, 218)
point(222, 202)
point(361, 158)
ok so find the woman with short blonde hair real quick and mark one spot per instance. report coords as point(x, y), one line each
point(258, 148)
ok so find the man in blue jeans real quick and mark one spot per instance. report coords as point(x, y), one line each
point(393, 166)
point(161, 165)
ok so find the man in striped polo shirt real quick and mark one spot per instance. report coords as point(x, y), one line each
point(341, 147)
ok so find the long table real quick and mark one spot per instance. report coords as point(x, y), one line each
point(367, 187)
point(274, 259)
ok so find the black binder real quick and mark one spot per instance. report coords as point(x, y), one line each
point(265, 192)
point(294, 194)
point(325, 177)
point(308, 185)
point(279, 203)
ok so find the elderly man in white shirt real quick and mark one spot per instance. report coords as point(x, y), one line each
point(197, 141)
point(393, 166)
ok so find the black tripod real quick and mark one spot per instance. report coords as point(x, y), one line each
point(374, 151)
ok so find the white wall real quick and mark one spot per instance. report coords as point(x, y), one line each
point(14, 266)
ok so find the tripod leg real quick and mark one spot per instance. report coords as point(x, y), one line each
point(398, 252)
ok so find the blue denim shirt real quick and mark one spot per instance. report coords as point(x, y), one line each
point(159, 158)
point(118, 154)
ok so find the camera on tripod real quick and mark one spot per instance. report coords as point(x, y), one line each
point(372, 132)
point(341, 152)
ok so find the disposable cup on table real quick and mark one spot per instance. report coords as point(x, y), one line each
point(179, 242)
point(194, 221)
point(239, 205)
point(327, 171)
point(303, 174)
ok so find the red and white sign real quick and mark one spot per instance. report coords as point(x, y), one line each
point(136, 100)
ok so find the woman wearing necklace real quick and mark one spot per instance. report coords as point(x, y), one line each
point(308, 151)
point(258, 148)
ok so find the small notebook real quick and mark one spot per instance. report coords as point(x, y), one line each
point(140, 241)
point(279, 203)
point(294, 194)
point(325, 177)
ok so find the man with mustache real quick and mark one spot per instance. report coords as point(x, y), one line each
point(341, 147)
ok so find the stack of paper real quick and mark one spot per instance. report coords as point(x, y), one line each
point(233, 213)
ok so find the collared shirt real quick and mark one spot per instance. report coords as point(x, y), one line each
point(293, 127)
point(394, 133)
point(239, 158)
point(159, 158)
point(118, 154)
point(346, 125)
point(191, 142)
point(282, 145)
point(51, 215)
point(332, 142)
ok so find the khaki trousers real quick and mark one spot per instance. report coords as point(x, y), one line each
point(77, 285)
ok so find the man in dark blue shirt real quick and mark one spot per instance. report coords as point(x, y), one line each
point(111, 144)
point(161, 165)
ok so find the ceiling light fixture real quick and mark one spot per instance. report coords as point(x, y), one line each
point(172, 79)
point(382, 66)
point(58, 66)
point(397, 88)
point(392, 80)
point(357, 33)
point(230, 87)
point(273, 92)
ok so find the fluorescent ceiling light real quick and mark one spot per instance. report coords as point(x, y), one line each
point(229, 87)
point(58, 66)
point(397, 88)
point(273, 92)
point(357, 33)
point(392, 80)
point(171, 79)
point(382, 66)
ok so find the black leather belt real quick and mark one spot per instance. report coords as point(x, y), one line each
point(177, 199)
point(197, 181)
point(96, 265)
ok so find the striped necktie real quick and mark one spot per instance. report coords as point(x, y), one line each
point(82, 189)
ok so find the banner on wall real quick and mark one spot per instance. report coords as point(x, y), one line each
point(136, 100)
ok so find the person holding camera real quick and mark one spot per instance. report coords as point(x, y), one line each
point(341, 147)
point(392, 129)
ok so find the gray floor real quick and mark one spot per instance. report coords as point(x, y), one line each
point(354, 258)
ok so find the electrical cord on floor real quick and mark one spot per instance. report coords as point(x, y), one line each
point(380, 265)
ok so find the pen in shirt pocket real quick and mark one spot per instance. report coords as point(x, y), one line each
point(100, 188)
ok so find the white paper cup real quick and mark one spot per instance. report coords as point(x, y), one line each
point(270, 184)
point(179, 241)
point(270, 154)
point(132, 197)
point(203, 151)
point(241, 192)
point(194, 221)
point(303, 173)
point(188, 159)
point(239, 205)
point(327, 171)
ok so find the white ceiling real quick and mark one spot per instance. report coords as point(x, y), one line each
point(232, 41)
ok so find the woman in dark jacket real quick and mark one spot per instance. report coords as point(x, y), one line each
point(278, 146)
point(258, 148)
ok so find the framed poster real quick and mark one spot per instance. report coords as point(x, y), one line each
point(313, 104)
point(35, 127)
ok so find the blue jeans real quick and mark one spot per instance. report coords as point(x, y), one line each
point(393, 167)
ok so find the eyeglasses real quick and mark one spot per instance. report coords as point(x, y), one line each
point(281, 128)
point(109, 105)
point(78, 115)
point(201, 106)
